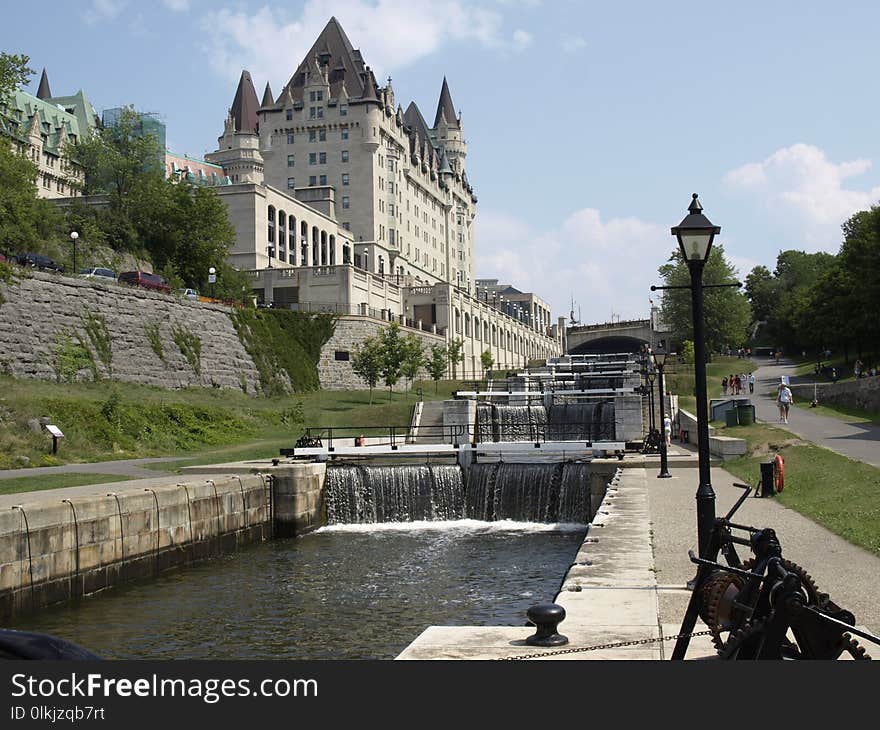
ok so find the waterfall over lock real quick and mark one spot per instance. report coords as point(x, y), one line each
point(549, 493)
point(566, 421)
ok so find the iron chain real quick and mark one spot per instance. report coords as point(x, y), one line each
point(597, 647)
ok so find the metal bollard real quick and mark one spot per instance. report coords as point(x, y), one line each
point(546, 617)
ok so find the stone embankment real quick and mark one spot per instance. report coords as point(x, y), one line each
point(54, 550)
point(144, 329)
point(863, 394)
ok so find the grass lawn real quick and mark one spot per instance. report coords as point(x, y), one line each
point(850, 415)
point(839, 493)
point(679, 378)
point(55, 481)
point(106, 420)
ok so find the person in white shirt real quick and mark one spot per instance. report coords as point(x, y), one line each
point(784, 399)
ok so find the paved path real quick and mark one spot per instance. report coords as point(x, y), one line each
point(860, 441)
point(122, 467)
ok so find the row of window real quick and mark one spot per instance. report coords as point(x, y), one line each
point(317, 135)
point(316, 180)
point(317, 112)
point(317, 158)
point(495, 336)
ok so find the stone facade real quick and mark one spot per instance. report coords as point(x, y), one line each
point(40, 307)
point(863, 393)
point(335, 372)
point(53, 551)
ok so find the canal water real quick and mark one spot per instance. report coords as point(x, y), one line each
point(343, 592)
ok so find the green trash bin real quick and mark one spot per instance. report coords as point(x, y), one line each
point(731, 417)
point(746, 415)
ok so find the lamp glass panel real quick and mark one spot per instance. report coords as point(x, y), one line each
point(695, 246)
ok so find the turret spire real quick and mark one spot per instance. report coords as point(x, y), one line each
point(43, 92)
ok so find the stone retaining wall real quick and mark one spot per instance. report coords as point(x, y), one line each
point(52, 551)
point(350, 332)
point(40, 307)
point(863, 393)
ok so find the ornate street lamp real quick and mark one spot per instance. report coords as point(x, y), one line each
point(659, 356)
point(212, 278)
point(695, 235)
point(73, 236)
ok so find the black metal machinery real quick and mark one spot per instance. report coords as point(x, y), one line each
point(766, 607)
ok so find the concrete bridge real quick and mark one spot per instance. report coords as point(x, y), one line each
point(625, 336)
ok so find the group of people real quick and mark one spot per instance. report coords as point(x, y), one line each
point(736, 384)
point(860, 371)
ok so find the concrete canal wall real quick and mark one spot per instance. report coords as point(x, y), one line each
point(52, 551)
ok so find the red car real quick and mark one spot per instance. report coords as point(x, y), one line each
point(145, 280)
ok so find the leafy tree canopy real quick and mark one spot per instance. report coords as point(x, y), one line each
point(727, 312)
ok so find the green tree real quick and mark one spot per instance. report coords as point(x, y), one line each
point(437, 364)
point(456, 355)
point(413, 357)
point(367, 362)
point(232, 285)
point(14, 72)
point(392, 355)
point(687, 352)
point(487, 361)
point(726, 311)
point(761, 290)
point(860, 264)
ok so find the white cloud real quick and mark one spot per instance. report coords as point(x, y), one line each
point(392, 33)
point(521, 39)
point(607, 266)
point(177, 6)
point(801, 181)
point(572, 44)
point(103, 10)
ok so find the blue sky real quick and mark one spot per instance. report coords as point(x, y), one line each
point(589, 123)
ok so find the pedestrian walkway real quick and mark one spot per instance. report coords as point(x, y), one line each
point(628, 581)
point(860, 441)
point(122, 467)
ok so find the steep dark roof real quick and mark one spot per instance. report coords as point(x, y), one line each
point(245, 105)
point(445, 107)
point(333, 49)
point(267, 96)
point(43, 92)
point(414, 119)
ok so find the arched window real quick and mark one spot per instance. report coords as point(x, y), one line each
point(486, 333)
point(478, 331)
point(494, 336)
point(457, 321)
point(346, 253)
point(316, 246)
point(291, 239)
point(324, 258)
point(282, 234)
point(332, 250)
point(467, 325)
point(271, 231)
point(304, 243)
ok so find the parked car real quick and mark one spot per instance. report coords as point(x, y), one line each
point(38, 261)
point(144, 280)
point(190, 294)
point(97, 272)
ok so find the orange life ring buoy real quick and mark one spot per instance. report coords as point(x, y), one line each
point(778, 473)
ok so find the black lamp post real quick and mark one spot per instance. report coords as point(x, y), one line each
point(649, 376)
point(695, 235)
point(660, 362)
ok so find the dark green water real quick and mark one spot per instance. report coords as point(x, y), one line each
point(352, 592)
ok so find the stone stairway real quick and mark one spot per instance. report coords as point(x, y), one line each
point(431, 425)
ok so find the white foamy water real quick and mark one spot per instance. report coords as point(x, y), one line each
point(465, 526)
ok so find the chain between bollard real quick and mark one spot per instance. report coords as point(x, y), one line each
point(597, 647)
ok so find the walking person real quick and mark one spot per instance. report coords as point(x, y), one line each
point(667, 429)
point(751, 383)
point(724, 385)
point(784, 399)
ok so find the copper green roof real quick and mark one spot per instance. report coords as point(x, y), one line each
point(53, 123)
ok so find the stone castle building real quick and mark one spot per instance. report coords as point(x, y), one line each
point(41, 127)
point(345, 202)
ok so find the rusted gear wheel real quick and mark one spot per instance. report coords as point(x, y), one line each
point(814, 596)
point(716, 603)
point(790, 649)
point(856, 650)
